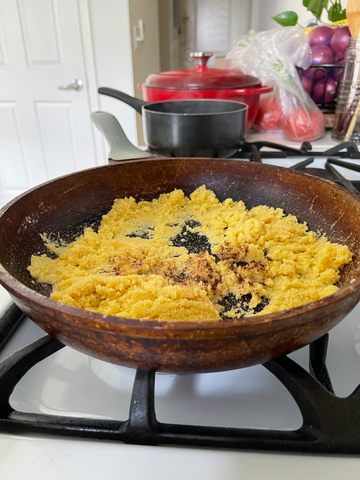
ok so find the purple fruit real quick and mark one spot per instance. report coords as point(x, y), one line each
point(322, 54)
point(306, 83)
point(340, 41)
point(336, 72)
point(314, 72)
point(321, 36)
point(324, 92)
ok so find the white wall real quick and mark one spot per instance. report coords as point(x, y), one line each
point(263, 10)
point(145, 53)
point(204, 25)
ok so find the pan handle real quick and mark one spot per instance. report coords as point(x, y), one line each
point(120, 146)
point(135, 103)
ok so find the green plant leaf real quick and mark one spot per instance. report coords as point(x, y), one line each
point(286, 19)
point(306, 3)
point(325, 4)
point(335, 8)
point(315, 7)
point(335, 14)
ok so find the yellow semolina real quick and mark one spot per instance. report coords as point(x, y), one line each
point(194, 258)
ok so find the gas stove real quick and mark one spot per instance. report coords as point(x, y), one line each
point(73, 413)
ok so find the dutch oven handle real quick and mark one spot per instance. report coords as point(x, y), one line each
point(135, 103)
point(120, 146)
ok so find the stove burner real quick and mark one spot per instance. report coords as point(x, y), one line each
point(330, 424)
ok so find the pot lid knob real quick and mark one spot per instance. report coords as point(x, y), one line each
point(201, 59)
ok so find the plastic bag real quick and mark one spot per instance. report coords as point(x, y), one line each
point(273, 56)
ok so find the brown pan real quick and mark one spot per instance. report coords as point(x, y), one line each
point(66, 205)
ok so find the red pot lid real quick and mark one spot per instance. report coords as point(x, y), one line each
point(201, 77)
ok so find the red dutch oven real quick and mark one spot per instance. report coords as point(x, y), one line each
point(204, 82)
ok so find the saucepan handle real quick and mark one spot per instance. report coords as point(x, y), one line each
point(133, 102)
point(120, 146)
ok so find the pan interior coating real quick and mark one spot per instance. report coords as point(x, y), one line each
point(193, 258)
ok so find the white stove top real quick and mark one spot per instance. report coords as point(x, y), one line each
point(70, 383)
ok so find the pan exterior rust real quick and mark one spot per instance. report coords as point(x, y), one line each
point(68, 204)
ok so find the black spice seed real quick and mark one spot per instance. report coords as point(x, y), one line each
point(144, 234)
point(192, 241)
point(260, 306)
point(192, 223)
point(240, 305)
point(229, 302)
point(246, 298)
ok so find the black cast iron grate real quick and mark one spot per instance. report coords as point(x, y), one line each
point(330, 424)
point(343, 150)
point(253, 153)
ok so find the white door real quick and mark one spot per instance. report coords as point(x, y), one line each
point(200, 25)
point(45, 132)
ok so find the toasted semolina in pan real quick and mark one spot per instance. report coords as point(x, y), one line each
point(193, 258)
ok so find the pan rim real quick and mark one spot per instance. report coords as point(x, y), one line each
point(6, 279)
point(219, 160)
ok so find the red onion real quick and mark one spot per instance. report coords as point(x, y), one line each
point(306, 83)
point(340, 41)
point(322, 54)
point(324, 92)
point(314, 72)
point(336, 72)
point(321, 35)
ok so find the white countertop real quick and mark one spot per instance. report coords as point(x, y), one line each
point(323, 143)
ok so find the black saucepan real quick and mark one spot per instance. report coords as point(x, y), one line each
point(189, 128)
